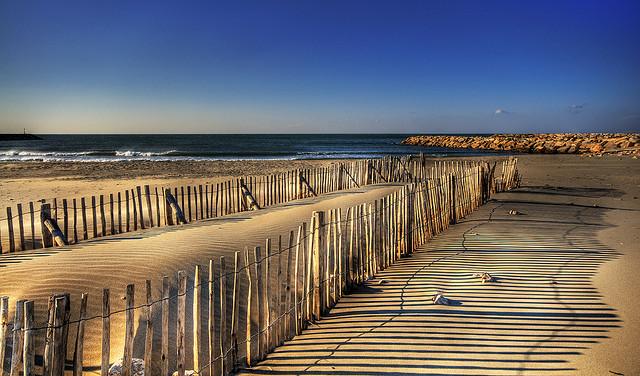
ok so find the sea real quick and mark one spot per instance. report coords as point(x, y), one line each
point(213, 147)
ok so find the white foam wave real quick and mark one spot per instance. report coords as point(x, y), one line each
point(133, 153)
point(28, 153)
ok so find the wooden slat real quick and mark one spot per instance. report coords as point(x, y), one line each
point(164, 357)
point(296, 294)
point(4, 324)
point(140, 212)
point(277, 330)
point(211, 327)
point(45, 213)
point(180, 323)
point(119, 213)
point(249, 303)
point(28, 348)
point(135, 210)
point(106, 333)
point(21, 227)
point(83, 208)
point(288, 291)
point(206, 200)
point(112, 223)
point(58, 351)
point(127, 356)
point(33, 226)
point(189, 202)
point(78, 354)
point(181, 197)
point(223, 317)
point(197, 324)
point(260, 297)
point(148, 335)
point(18, 338)
point(147, 193)
point(94, 216)
point(201, 202)
point(47, 354)
point(12, 245)
point(267, 298)
point(318, 241)
point(157, 207)
point(235, 311)
point(103, 218)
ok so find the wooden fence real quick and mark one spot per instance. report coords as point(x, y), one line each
point(244, 308)
point(76, 219)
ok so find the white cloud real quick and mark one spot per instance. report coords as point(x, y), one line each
point(576, 108)
point(501, 112)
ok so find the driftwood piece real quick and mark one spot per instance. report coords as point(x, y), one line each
point(51, 227)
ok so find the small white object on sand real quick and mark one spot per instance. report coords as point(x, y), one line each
point(515, 212)
point(440, 299)
point(484, 277)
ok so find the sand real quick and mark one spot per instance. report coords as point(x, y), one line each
point(31, 181)
point(591, 253)
point(113, 262)
point(565, 300)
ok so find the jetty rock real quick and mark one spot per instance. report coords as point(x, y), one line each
point(543, 143)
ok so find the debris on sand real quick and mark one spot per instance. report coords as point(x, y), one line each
point(440, 299)
point(484, 277)
point(515, 212)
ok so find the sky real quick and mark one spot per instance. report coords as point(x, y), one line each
point(319, 66)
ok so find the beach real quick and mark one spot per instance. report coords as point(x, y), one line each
point(607, 183)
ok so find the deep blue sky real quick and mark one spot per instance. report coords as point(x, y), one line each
point(323, 66)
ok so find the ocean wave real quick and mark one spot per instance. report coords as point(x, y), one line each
point(29, 153)
point(133, 153)
point(106, 156)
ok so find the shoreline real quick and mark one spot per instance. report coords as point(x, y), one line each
point(21, 182)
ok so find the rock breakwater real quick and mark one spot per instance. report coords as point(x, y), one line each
point(549, 143)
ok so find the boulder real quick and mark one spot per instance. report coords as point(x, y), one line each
point(137, 367)
point(596, 148)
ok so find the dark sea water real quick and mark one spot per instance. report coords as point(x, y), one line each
point(103, 148)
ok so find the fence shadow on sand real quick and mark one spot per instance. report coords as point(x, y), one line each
point(540, 313)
